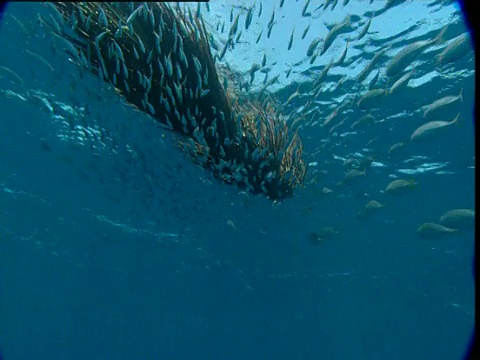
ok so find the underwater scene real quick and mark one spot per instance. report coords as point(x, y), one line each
point(289, 179)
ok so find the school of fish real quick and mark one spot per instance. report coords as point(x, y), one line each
point(163, 60)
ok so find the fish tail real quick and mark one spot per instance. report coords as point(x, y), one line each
point(456, 120)
point(414, 69)
point(439, 38)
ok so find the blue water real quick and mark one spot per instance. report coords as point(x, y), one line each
point(113, 245)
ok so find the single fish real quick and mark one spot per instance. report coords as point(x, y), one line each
point(374, 80)
point(248, 18)
point(433, 230)
point(455, 49)
point(313, 45)
point(305, 31)
point(370, 98)
point(441, 103)
point(41, 59)
point(18, 79)
point(338, 29)
point(290, 43)
point(304, 10)
point(339, 83)
point(366, 119)
point(400, 186)
point(342, 56)
point(459, 218)
point(368, 69)
point(402, 82)
point(134, 14)
point(272, 18)
point(364, 30)
point(432, 127)
point(270, 27)
point(353, 174)
point(323, 73)
point(234, 27)
point(409, 53)
point(259, 36)
point(371, 207)
point(395, 147)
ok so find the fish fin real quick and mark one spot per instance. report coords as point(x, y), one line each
point(461, 95)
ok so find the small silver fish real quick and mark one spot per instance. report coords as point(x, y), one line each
point(290, 43)
point(305, 31)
